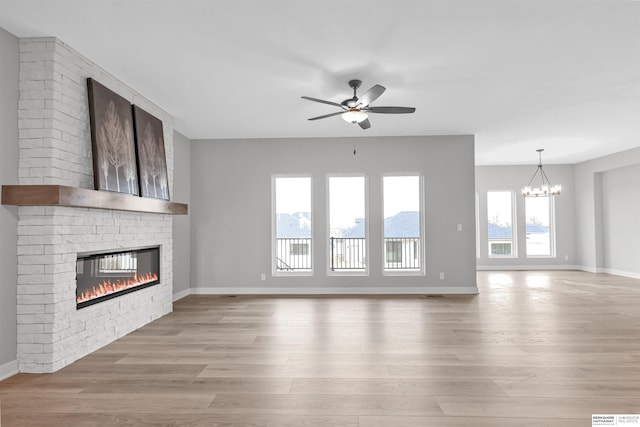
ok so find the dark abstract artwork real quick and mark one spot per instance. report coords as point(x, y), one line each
point(152, 163)
point(113, 146)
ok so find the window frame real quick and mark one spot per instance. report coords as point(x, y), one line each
point(552, 231)
point(478, 226)
point(421, 241)
point(274, 239)
point(514, 225)
point(366, 271)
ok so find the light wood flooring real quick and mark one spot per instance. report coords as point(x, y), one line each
point(533, 349)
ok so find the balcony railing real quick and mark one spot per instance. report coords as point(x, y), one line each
point(348, 254)
point(402, 253)
point(293, 254)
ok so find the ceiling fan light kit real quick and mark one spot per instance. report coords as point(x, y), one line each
point(354, 116)
point(356, 109)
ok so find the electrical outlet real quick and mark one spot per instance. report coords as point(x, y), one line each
point(263, 276)
point(566, 257)
point(459, 227)
point(441, 275)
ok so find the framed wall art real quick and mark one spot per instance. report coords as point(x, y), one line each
point(112, 143)
point(152, 163)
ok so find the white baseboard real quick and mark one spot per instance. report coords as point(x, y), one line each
point(615, 272)
point(181, 294)
point(440, 290)
point(526, 267)
point(9, 369)
point(589, 269)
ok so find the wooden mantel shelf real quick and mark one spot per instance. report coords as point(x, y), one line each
point(60, 195)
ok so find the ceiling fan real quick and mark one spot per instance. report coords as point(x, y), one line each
point(357, 109)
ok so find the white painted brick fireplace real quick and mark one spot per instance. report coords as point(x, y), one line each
point(55, 148)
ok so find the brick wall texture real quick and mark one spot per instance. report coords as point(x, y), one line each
point(55, 148)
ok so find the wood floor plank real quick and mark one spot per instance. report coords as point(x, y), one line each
point(206, 358)
point(415, 387)
point(552, 359)
point(19, 403)
point(175, 420)
point(498, 372)
point(321, 369)
point(395, 421)
point(535, 407)
point(198, 386)
point(561, 389)
point(324, 404)
point(119, 370)
point(532, 349)
point(381, 358)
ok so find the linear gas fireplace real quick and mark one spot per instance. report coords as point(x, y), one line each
point(103, 276)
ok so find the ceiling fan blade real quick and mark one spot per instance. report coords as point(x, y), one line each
point(371, 95)
point(308, 98)
point(365, 124)
point(390, 110)
point(326, 115)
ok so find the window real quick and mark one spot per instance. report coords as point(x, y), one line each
point(402, 224)
point(394, 251)
point(299, 249)
point(292, 224)
point(500, 224)
point(539, 215)
point(347, 224)
point(123, 262)
point(477, 226)
point(500, 248)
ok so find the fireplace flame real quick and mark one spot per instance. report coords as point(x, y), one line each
point(107, 287)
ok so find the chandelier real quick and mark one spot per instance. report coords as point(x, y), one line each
point(545, 189)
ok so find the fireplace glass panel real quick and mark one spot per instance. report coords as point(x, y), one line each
point(104, 276)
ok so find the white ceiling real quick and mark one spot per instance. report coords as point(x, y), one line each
point(519, 74)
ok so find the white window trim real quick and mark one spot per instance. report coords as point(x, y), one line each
point(367, 270)
point(514, 226)
point(552, 231)
point(477, 225)
point(423, 262)
point(274, 249)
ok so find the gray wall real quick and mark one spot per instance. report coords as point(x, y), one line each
point(621, 220)
point(590, 207)
point(231, 208)
point(9, 69)
point(181, 223)
point(489, 178)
